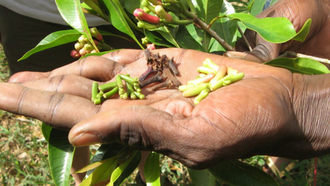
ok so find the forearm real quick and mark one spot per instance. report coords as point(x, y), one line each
point(311, 104)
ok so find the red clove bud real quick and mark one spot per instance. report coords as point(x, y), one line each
point(141, 15)
point(75, 54)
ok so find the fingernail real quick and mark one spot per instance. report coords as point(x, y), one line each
point(233, 54)
point(242, 55)
point(85, 139)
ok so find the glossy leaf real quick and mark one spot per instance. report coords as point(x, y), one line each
point(102, 172)
point(300, 65)
point(272, 29)
point(207, 10)
point(158, 39)
point(95, 7)
point(152, 170)
point(169, 33)
point(72, 13)
point(129, 169)
point(52, 40)
point(131, 5)
point(106, 151)
point(61, 154)
point(92, 166)
point(257, 6)
point(225, 28)
point(202, 177)
point(185, 40)
point(118, 19)
point(241, 174)
point(120, 169)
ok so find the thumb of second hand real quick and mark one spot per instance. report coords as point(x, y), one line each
point(129, 125)
point(264, 51)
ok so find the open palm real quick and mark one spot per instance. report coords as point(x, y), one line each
point(252, 116)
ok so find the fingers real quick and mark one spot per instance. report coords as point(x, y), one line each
point(67, 84)
point(125, 56)
point(93, 67)
point(27, 76)
point(61, 110)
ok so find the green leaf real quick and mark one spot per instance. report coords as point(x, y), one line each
point(157, 38)
point(168, 32)
point(94, 7)
point(52, 40)
point(61, 154)
point(102, 172)
point(207, 10)
point(225, 28)
point(241, 174)
point(273, 29)
point(185, 40)
point(152, 170)
point(92, 166)
point(71, 12)
point(300, 65)
point(202, 177)
point(121, 168)
point(257, 6)
point(106, 151)
point(118, 19)
point(129, 169)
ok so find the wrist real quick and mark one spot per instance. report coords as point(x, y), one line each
point(311, 99)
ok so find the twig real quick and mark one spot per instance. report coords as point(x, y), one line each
point(245, 39)
point(294, 54)
point(204, 27)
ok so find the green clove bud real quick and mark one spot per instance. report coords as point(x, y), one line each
point(195, 90)
point(209, 63)
point(201, 96)
point(160, 11)
point(110, 93)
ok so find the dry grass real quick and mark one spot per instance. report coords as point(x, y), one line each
point(23, 150)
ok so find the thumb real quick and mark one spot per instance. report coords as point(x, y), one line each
point(262, 51)
point(133, 126)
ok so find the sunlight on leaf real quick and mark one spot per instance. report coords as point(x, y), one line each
point(300, 65)
point(120, 169)
point(52, 40)
point(273, 29)
point(102, 172)
point(61, 154)
point(152, 170)
point(72, 13)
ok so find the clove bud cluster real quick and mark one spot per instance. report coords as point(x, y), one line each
point(83, 46)
point(125, 86)
point(211, 78)
point(157, 13)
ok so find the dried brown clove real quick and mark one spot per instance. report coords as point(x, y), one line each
point(153, 79)
point(165, 84)
point(164, 68)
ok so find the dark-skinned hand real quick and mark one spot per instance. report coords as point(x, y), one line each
point(271, 111)
point(298, 12)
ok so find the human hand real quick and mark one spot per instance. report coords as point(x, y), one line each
point(260, 114)
point(298, 12)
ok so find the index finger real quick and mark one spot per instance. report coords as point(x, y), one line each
point(60, 110)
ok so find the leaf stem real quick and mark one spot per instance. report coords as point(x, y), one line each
point(205, 27)
point(294, 54)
